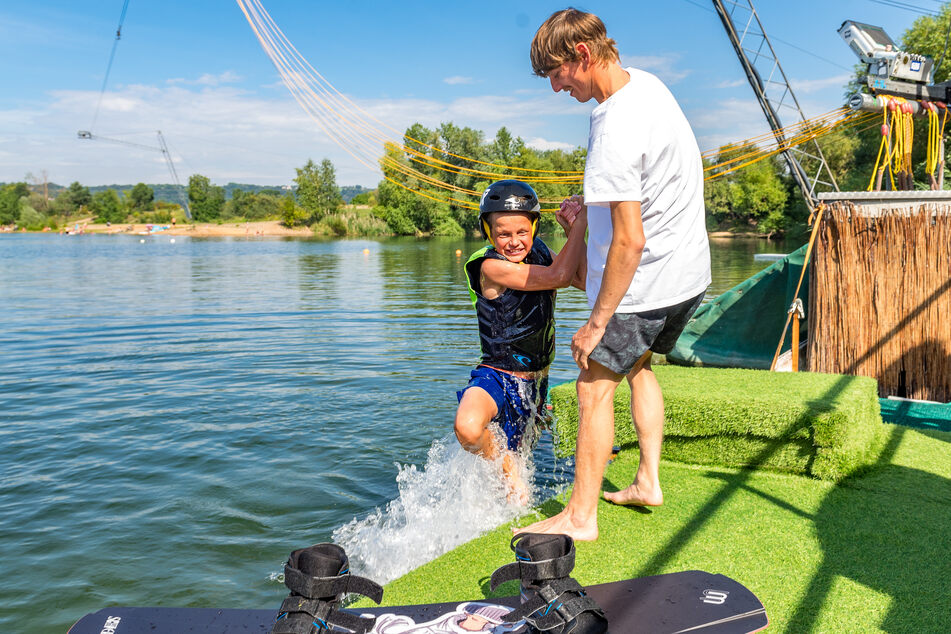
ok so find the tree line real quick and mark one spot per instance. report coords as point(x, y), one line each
point(407, 213)
point(32, 206)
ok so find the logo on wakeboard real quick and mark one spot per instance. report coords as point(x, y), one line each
point(109, 627)
point(716, 597)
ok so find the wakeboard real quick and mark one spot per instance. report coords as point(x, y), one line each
point(680, 602)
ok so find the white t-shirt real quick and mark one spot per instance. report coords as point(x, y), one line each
point(641, 148)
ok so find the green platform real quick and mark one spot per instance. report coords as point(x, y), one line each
point(824, 425)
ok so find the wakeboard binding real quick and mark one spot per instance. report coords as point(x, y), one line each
point(318, 578)
point(552, 601)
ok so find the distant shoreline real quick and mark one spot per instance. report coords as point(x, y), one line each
point(266, 228)
point(194, 230)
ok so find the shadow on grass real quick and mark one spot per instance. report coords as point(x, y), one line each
point(888, 532)
point(836, 536)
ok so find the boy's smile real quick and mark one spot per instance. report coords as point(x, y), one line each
point(512, 234)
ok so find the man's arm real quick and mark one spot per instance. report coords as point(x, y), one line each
point(536, 277)
point(624, 255)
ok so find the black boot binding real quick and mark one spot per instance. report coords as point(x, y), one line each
point(551, 600)
point(318, 578)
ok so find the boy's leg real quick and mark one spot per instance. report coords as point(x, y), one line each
point(579, 519)
point(647, 412)
point(473, 419)
point(476, 410)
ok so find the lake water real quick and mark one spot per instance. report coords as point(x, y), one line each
point(176, 417)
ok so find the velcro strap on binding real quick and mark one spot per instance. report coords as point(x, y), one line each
point(535, 570)
point(553, 604)
point(314, 608)
point(327, 587)
point(301, 616)
point(564, 613)
point(352, 622)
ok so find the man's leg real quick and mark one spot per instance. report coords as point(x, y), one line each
point(647, 412)
point(579, 519)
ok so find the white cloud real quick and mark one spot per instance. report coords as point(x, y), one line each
point(539, 143)
point(207, 79)
point(660, 65)
point(229, 134)
point(806, 86)
point(736, 83)
point(458, 79)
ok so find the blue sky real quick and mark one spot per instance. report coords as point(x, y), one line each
point(195, 71)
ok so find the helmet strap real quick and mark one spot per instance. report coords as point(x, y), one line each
point(488, 233)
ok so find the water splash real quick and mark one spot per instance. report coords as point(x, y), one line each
point(454, 498)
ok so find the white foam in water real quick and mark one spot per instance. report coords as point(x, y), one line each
point(454, 498)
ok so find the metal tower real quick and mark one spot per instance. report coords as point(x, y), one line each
point(773, 92)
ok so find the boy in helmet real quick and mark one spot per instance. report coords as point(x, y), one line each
point(512, 286)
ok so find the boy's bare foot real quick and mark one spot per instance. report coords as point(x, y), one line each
point(564, 523)
point(634, 496)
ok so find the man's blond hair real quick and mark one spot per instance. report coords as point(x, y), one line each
point(556, 39)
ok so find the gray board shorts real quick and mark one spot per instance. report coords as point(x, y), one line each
point(629, 335)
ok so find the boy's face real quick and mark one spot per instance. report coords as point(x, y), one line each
point(511, 234)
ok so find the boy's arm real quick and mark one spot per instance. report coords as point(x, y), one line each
point(570, 209)
point(537, 277)
point(581, 273)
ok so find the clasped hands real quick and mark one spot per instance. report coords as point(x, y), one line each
point(571, 210)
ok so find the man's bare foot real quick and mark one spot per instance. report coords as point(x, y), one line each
point(634, 496)
point(564, 523)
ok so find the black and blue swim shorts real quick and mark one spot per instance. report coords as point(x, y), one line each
point(519, 401)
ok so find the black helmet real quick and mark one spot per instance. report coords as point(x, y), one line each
point(508, 195)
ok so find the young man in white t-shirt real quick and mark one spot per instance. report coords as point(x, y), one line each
point(648, 258)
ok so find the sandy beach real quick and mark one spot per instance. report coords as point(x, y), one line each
point(201, 229)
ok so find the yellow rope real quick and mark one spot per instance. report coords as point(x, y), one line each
point(805, 263)
point(361, 134)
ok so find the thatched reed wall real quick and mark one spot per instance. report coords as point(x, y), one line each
point(880, 301)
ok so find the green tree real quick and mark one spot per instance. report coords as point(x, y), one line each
point(11, 201)
point(363, 198)
point(141, 198)
point(206, 200)
point(329, 197)
point(292, 214)
point(317, 191)
point(107, 207)
point(30, 218)
point(504, 148)
point(753, 196)
point(252, 206)
point(74, 198)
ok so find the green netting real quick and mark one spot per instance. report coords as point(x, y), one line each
point(741, 327)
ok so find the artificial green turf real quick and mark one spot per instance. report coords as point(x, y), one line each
point(867, 554)
point(824, 425)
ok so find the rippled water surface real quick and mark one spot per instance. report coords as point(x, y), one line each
point(175, 417)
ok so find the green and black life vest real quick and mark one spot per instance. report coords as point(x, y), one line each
point(516, 329)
